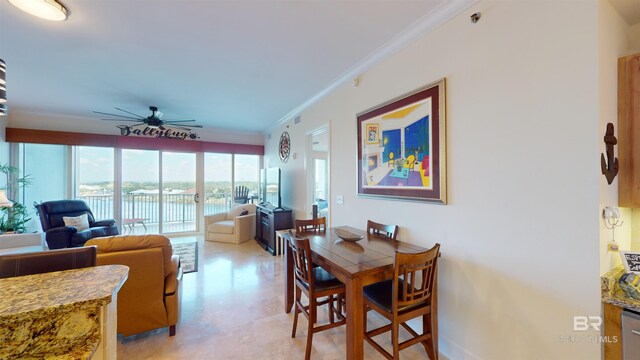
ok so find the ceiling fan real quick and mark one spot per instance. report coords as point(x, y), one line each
point(153, 121)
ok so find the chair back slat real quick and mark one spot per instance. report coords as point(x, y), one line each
point(389, 231)
point(302, 264)
point(311, 225)
point(417, 270)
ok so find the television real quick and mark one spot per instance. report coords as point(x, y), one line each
point(270, 181)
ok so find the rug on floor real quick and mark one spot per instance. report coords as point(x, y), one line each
point(188, 253)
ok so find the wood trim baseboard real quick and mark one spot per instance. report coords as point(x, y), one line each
point(33, 136)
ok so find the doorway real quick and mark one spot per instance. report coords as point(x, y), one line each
point(158, 192)
point(319, 197)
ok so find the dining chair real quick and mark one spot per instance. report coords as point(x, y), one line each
point(406, 296)
point(315, 283)
point(319, 224)
point(390, 231)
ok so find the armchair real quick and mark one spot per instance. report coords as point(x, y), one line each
point(58, 235)
point(150, 299)
point(231, 226)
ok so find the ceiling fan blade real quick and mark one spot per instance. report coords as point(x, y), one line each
point(179, 127)
point(124, 120)
point(178, 120)
point(129, 112)
point(116, 115)
point(193, 126)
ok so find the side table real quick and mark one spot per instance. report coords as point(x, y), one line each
point(280, 241)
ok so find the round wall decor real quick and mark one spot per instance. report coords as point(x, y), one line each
point(285, 147)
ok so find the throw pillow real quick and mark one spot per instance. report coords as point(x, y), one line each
point(80, 222)
point(246, 212)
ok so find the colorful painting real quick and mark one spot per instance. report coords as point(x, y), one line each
point(372, 133)
point(401, 147)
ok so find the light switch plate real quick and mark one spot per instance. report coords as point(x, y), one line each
point(340, 199)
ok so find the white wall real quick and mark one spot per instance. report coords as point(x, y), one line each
point(520, 235)
point(613, 43)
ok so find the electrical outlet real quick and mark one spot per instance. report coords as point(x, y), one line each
point(340, 199)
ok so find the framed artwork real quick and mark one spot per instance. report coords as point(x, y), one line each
point(631, 261)
point(372, 133)
point(402, 147)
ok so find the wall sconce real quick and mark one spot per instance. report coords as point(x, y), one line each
point(611, 220)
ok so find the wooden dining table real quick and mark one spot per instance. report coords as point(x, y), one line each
point(355, 264)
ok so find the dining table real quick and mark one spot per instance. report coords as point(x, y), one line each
point(356, 264)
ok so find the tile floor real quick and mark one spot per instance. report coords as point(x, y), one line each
point(232, 308)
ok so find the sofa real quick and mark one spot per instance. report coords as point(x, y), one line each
point(232, 226)
point(40, 262)
point(58, 235)
point(150, 298)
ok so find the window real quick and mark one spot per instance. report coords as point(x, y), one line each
point(47, 166)
point(217, 183)
point(94, 179)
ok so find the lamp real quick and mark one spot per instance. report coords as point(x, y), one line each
point(44, 9)
point(4, 202)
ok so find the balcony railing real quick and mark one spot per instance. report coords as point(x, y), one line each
point(177, 208)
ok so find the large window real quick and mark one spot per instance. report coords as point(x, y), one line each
point(152, 192)
point(178, 192)
point(217, 183)
point(140, 191)
point(47, 166)
point(247, 173)
point(94, 179)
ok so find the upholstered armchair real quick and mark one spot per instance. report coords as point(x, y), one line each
point(150, 298)
point(58, 235)
point(233, 226)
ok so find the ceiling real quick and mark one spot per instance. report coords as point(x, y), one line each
point(629, 10)
point(234, 65)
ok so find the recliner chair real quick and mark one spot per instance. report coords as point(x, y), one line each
point(150, 298)
point(59, 236)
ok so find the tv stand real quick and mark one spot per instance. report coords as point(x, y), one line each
point(268, 220)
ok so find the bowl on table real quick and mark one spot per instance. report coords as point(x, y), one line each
point(347, 235)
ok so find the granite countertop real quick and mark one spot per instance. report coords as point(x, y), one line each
point(613, 294)
point(36, 292)
point(56, 314)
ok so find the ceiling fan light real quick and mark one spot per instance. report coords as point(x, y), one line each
point(44, 9)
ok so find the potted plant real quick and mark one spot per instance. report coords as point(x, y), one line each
point(14, 218)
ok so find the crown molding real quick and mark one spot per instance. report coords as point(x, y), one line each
point(444, 12)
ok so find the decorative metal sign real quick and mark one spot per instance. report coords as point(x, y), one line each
point(285, 147)
point(610, 165)
point(166, 133)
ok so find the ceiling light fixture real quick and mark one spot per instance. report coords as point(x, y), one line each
point(44, 9)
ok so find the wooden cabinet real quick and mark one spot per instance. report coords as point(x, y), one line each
point(268, 220)
point(612, 332)
point(629, 131)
